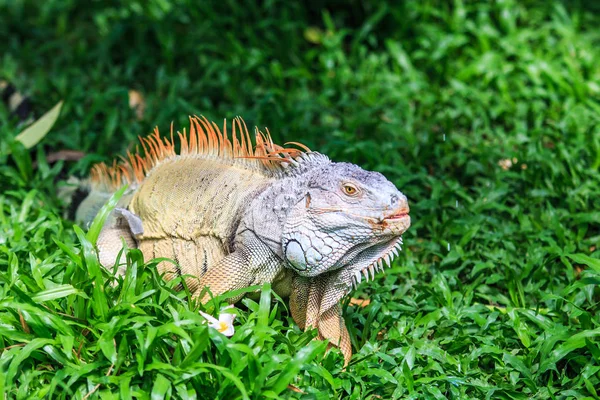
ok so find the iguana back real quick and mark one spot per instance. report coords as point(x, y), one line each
point(189, 201)
point(191, 208)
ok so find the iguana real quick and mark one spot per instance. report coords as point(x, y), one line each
point(232, 215)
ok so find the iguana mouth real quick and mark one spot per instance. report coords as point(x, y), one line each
point(398, 215)
point(378, 264)
point(389, 218)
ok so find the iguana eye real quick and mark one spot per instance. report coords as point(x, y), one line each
point(350, 189)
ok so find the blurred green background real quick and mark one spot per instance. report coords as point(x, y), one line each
point(485, 114)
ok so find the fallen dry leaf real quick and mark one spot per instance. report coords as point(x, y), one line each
point(360, 302)
point(505, 164)
point(137, 103)
point(24, 324)
point(295, 389)
point(67, 155)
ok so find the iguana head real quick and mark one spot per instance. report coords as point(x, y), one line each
point(350, 219)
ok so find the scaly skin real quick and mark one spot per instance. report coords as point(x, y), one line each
point(311, 228)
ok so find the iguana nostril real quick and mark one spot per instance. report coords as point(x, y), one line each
point(403, 202)
point(398, 201)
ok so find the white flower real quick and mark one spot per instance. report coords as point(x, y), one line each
point(225, 322)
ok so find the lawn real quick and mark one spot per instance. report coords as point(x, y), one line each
point(485, 114)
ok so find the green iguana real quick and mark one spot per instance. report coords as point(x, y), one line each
point(232, 215)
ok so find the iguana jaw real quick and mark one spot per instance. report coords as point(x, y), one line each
point(365, 267)
point(378, 251)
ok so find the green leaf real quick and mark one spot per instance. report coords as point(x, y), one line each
point(385, 375)
point(36, 132)
point(303, 356)
point(200, 345)
point(57, 292)
point(100, 303)
point(408, 377)
point(160, 388)
point(591, 262)
point(265, 305)
point(23, 354)
point(227, 374)
point(573, 343)
point(520, 327)
point(409, 358)
point(518, 364)
point(100, 218)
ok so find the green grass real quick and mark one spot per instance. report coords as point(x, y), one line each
point(496, 294)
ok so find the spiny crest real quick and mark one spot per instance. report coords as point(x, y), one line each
point(206, 140)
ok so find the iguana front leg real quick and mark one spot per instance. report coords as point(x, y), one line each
point(229, 274)
point(332, 327)
point(314, 303)
point(122, 225)
point(251, 263)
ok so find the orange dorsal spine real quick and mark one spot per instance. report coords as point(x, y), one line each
point(204, 139)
